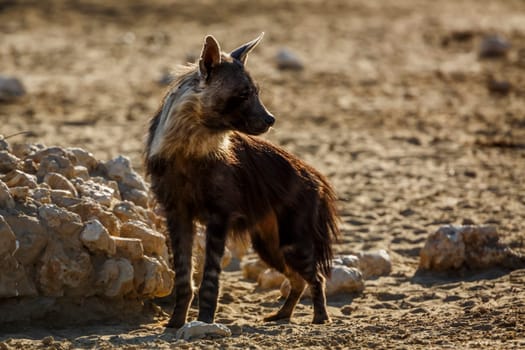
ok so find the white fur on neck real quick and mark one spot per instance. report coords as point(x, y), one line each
point(179, 131)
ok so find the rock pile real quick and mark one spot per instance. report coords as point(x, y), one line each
point(475, 247)
point(73, 226)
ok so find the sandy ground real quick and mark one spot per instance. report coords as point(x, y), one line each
point(392, 106)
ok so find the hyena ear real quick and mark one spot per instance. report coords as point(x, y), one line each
point(210, 56)
point(241, 53)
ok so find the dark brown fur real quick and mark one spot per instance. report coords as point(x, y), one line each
point(236, 184)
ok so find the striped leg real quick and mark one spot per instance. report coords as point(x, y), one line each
point(297, 285)
point(302, 260)
point(181, 233)
point(209, 289)
point(317, 286)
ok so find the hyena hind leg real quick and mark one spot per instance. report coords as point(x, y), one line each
point(317, 287)
point(302, 261)
point(297, 284)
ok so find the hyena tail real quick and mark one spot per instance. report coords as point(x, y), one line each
point(326, 231)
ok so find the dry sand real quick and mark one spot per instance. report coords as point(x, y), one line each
point(392, 106)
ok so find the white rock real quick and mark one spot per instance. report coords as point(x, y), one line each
point(97, 239)
point(251, 269)
point(158, 278)
point(286, 59)
point(101, 193)
point(130, 248)
point(152, 241)
point(60, 182)
point(270, 278)
point(443, 250)
point(198, 329)
point(6, 200)
point(83, 158)
point(375, 263)
point(116, 277)
point(17, 178)
point(343, 280)
point(81, 171)
point(8, 162)
point(8, 242)
point(120, 169)
point(21, 193)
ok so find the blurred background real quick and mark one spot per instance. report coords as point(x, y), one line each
point(94, 71)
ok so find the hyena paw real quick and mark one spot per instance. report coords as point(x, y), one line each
point(174, 323)
point(276, 317)
point(321, 319)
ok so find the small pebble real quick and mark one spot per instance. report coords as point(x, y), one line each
point(10, 89)
point(287, 60)
point(499, 87)
point(494, 46)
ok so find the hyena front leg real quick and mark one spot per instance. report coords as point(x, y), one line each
point(181, 234)
point(209, 289)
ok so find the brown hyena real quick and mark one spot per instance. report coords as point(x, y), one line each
point(207, 167)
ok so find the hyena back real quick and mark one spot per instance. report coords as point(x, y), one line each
point(207, 166)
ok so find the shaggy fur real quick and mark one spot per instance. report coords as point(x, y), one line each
point(207, 166)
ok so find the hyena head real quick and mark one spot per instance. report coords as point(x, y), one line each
point(230, 99)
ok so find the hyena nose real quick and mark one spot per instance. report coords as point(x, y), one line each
point(269, 119)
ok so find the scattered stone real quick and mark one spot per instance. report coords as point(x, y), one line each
point(494, 46)
point(65, 270)
point(251, 269)
point(139, 197)
point(60, 220)
point(23, 150)
point(343, 280)
point(20, 193)
point(54, 163)
point(81, 172)
point(152, 241)
point(130, 248)
point(103, 194)
point(6, 200)
point(60, 182)
point(476, 247)
point(90, 209)
point(10, 89)
point(287, 60)
point(116, 277)
point(198, 330)
point(158, 278)
point(375, 263)
point(270, 278)
point(42, 195)
point(63, 198)
point(83, 158)
point(97, 239)
point(499, 87)
point(119, 169)
point(127, 211)
point(18, 178)
point(8, 243)
point(31, 235)
point(8, 162)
